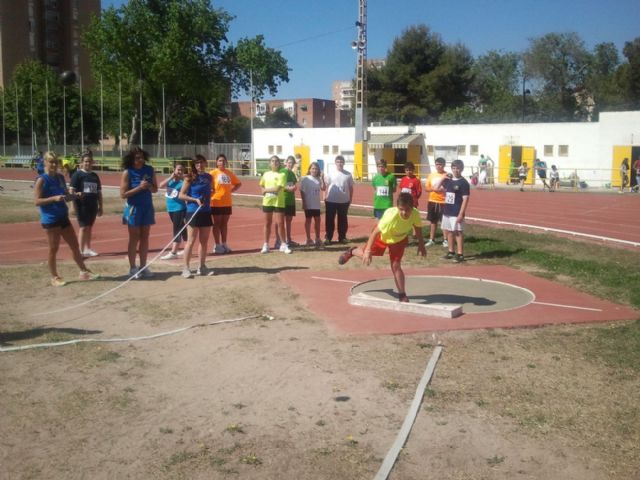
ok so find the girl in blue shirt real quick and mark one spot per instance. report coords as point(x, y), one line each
point(176, 209)
point(51, 196)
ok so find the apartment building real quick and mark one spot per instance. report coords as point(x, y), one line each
point(307, 112)
point(45, 30)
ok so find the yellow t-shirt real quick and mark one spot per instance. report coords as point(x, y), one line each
point(437, 197)
point(223, 183)
point(272, 179)
point(393, 228)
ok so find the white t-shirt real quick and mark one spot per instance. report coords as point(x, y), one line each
point(339, 187)
point(310, 189)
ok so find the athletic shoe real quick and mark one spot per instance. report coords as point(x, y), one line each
point(265, 248)
point(87, 275)
point(277, 245)
point(133, 272)
point(429, 243)
point(319, 244)
point(219, 249)
point(284, 248)
point(146, 273)
point(459, 258)
point(293, 244)
point(310, 243)
point(186, 273)
point(169, 256)
point(58, 282)
point(346, 256)
point(180, 253)
point(89, 253)
point(226, 248)
point(328, 241)
point(343, 240)
point(445, 244)
point(449, 256)
point(204, 271)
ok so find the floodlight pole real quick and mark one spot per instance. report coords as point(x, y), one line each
point(253, 157)
point(361, 136)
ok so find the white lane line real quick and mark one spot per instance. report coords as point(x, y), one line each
point(568, 306)
point(335, 280)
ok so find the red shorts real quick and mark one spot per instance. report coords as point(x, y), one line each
point(396, 250)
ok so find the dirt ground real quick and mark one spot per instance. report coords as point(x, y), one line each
point(286, 398)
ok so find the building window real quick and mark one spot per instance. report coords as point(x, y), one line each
point(473, 149)
point(279, 149)
point(462, 149)
point(304, 121)
point(548, 150)
point(429, 149)
point(563, 150)
point(271, 149)
point(325, 149)
point(335, 150)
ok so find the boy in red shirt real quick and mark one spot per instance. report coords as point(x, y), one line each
point(410, 183)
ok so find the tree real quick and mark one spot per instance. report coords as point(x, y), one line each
point(279, 118)
point(147, 46)
point(496, 87)
point(422, 78)
point(630, 75)
point(557, 62)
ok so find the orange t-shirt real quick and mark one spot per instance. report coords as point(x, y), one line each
point(436, 197)
point(223, 183)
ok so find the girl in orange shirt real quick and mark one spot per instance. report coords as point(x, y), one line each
point(225, 183)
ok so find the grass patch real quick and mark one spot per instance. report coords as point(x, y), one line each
point(618, 346)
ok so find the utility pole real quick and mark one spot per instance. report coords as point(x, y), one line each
point(360, 45)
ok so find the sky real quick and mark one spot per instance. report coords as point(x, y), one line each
point(315, 35)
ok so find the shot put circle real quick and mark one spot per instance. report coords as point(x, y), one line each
point(476, 295)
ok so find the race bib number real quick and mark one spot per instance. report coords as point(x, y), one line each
point(405, 190)
point(90, 187)
point(450, 198)
point(224, 179)
point(171, 193)
point(382, 191)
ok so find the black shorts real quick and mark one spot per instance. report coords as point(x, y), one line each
point(542, 175)
point(177, 220)
point(434, 212)
point(290, 210)
point(215, 211)
point(266, 209)
point(87, 213)
point(62, 223)
point(311, 213)
point(200, 219)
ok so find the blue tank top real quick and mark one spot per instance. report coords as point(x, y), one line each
point(53, 212)
point(141, 199)
point(200, 188)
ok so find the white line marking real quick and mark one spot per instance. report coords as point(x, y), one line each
point(568, 306)
point(335, 280)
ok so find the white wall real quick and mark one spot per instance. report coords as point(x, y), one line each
point(590, 144)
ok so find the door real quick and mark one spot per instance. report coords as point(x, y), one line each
point(620, 152)
point(303, 151)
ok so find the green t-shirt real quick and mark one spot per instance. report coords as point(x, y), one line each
point(393, 228)
point(272, 179)
point(383, 188)
point(289, 197)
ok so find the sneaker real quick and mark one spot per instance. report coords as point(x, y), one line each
point(310, 243)
point(219, 249)
point(180, 253)
point(277, 245)
point(204, 271)
point(89, 253)
point(265, 248)
point(292, 243)
point(319, 244)
point(87, 275)
point(133, 272)
point(445, 244)
point(169, 256)
point(186, 273)
point(449, 256)
point(429, 243)
point(284, 248)
point(459, 258)
point(343, 240)
point(346, 256)
point(226, 248)
point(328, 241)
point(58, 282)
point(146, 273)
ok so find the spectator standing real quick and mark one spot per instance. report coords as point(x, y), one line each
point(384, 186)
point(176, 208)
point(225, 182)
point(272, 184)
point(624, 174)
point(523, 171)
point(410, 183)
point(310, 188)
point(636, 168)
point(436, 200)
point(87, 205)
point(338, 197)
point(554, 179)
point(457, 191)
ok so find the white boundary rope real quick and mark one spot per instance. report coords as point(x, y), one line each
point(136, 275)
point(403, 434)
point(130, 339)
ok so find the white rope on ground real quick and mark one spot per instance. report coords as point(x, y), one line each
point(401, 439)
point(135, 275)
point(130, 339)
